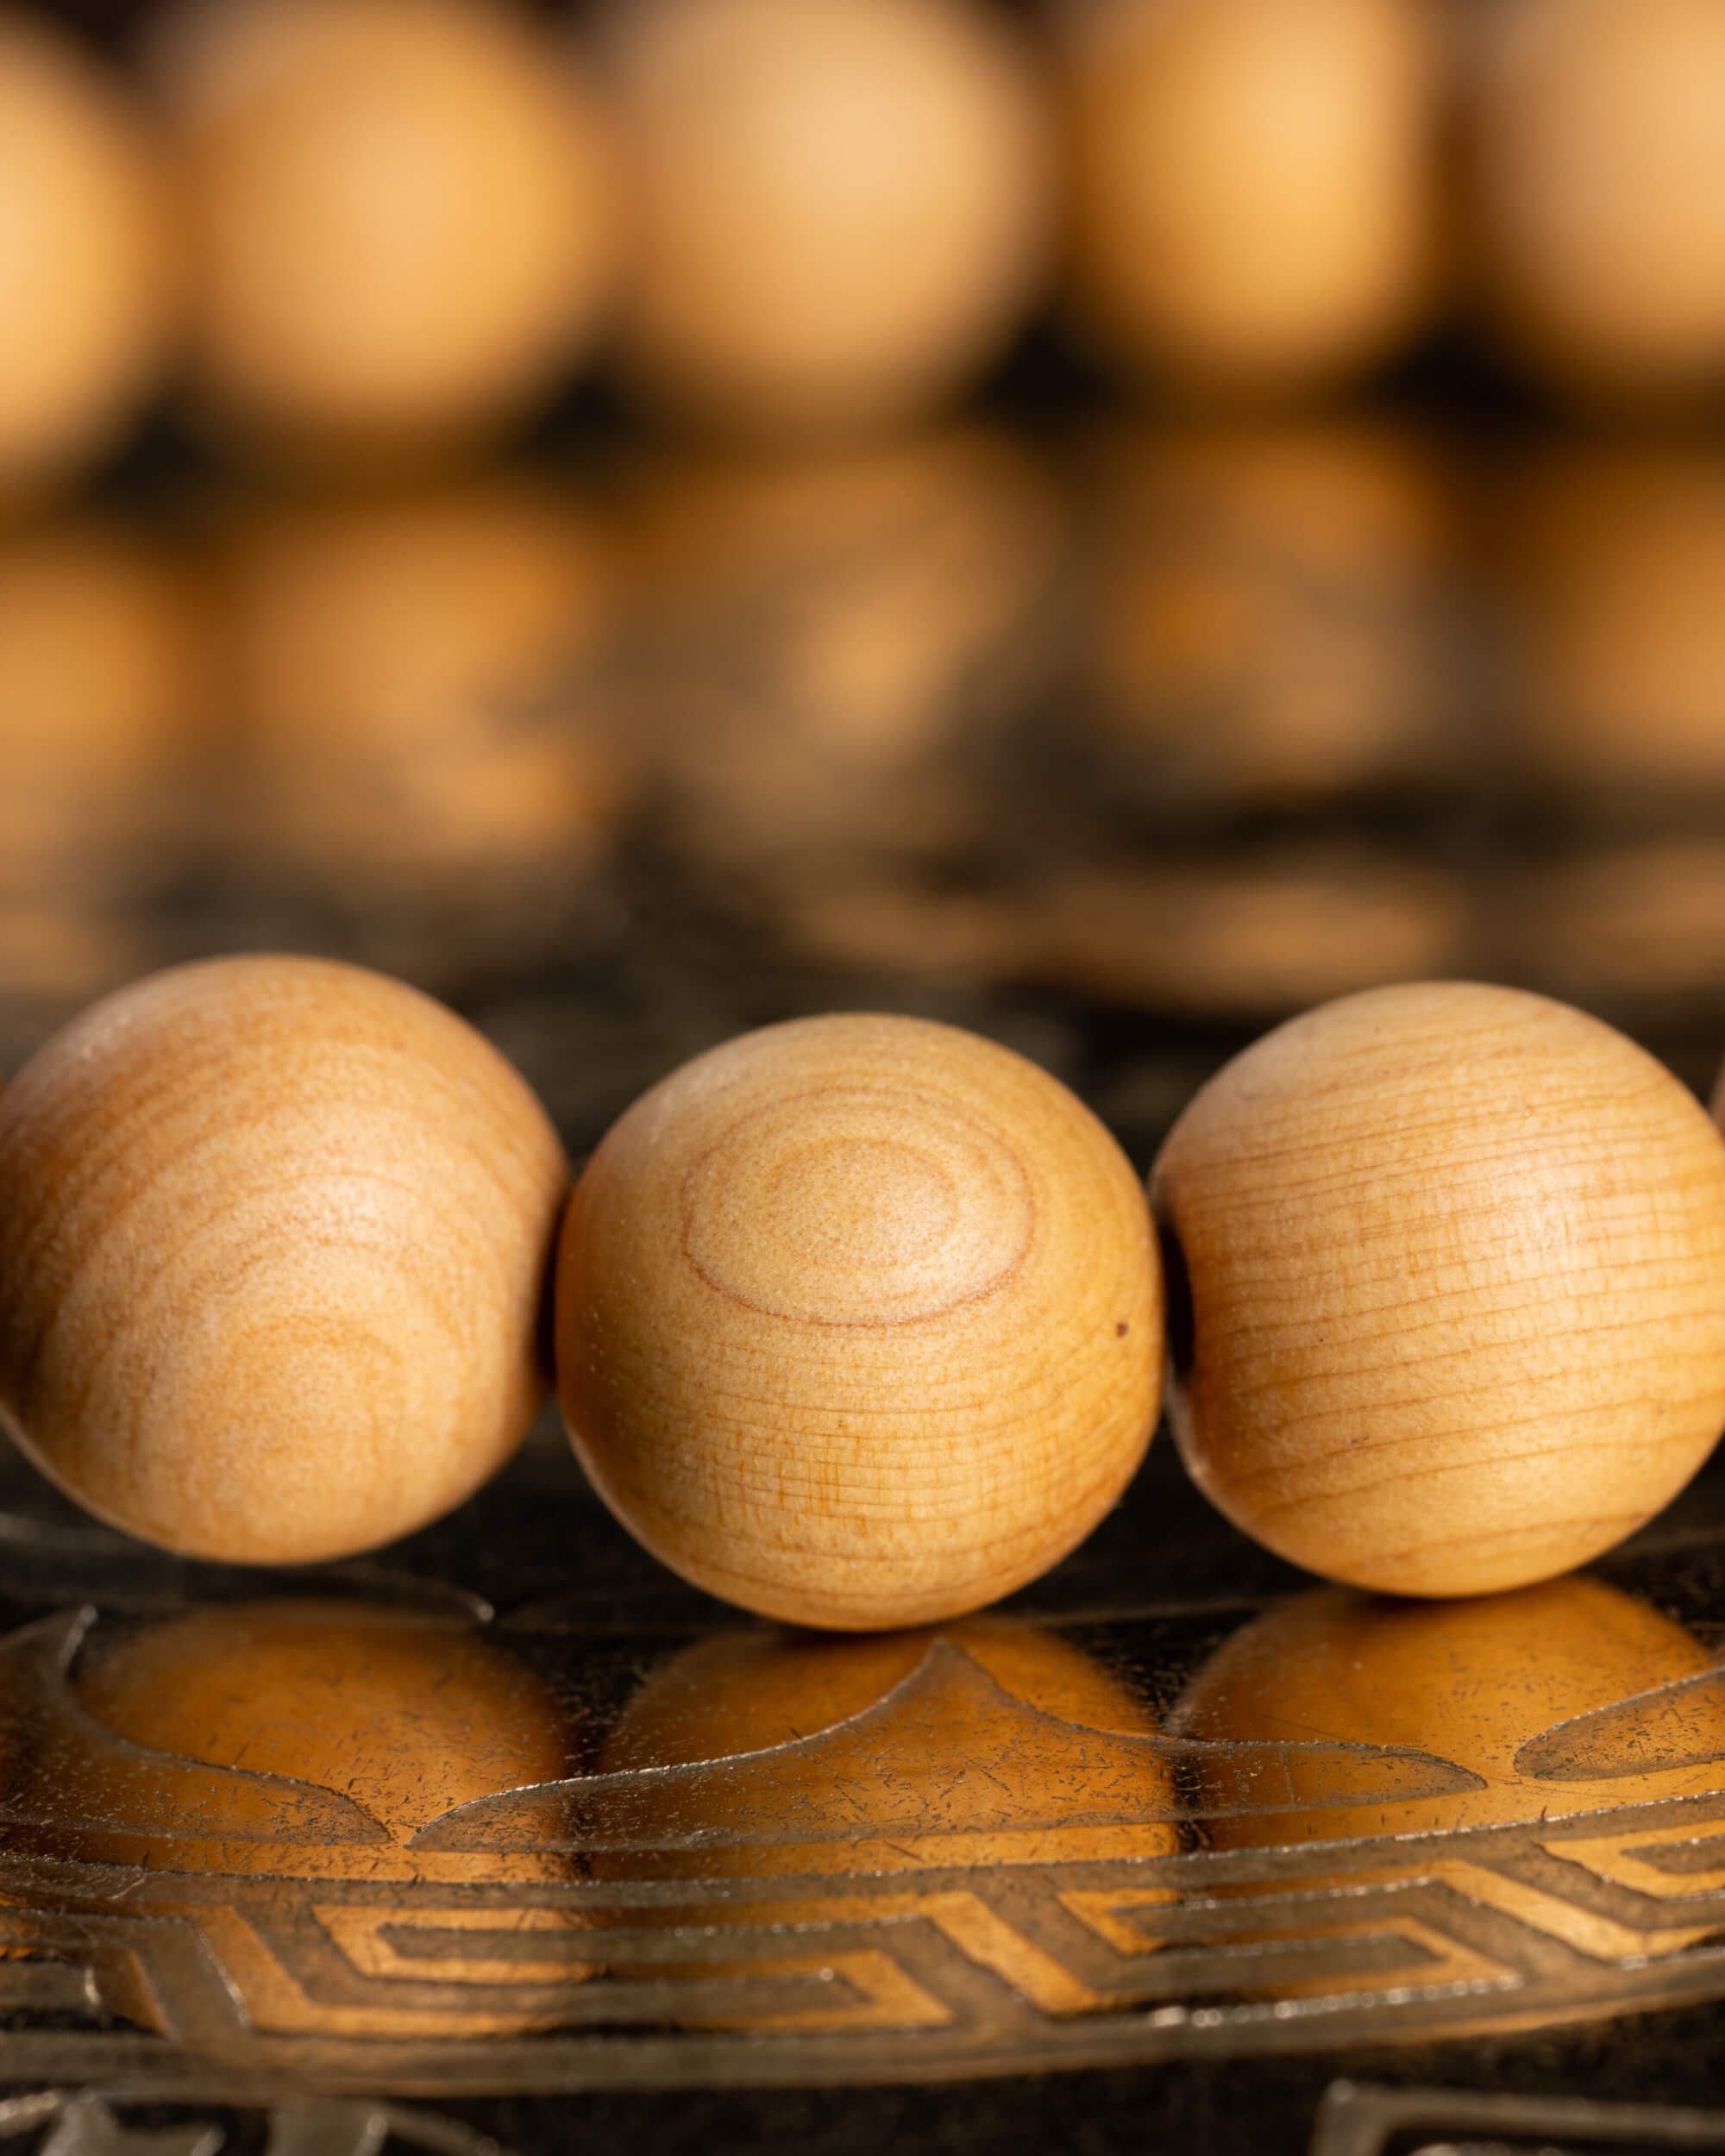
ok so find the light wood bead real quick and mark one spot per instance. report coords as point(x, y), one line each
point(859, 1321)
point(405, 215)
point(90, 254)
point(271, 1258)
point(1256, 194)
point(1448, 1269)
point(1598, 183)
point(841, 212)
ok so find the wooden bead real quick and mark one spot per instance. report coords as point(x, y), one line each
point(858, 1321)
point(271, 1258)
point(1448, 1266)
point(1256, 191)
point(1599, 192)
point(90, 254)
point(841, 212)
point(405, 215)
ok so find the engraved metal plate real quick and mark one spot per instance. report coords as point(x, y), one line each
point(441, 1841)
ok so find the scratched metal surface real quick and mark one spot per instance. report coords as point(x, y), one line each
point(1115, 741)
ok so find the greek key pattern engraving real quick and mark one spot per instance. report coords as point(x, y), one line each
point(361, 1836)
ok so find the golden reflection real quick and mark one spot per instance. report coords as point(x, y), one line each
point(415, 699)
point(1613, 568)
point(101, 690)
point(270, 1744)
point(981, 1742)
point(985, 1742)
point(1273, 609)
point(1636, 919)
point(1538, 1711)
point(403, 1715)
point(828, 643)
point(1517, 1688)
point(104, 693)
point(1254, 931)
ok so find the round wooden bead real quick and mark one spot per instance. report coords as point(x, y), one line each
point(271, 1258)
point(840, 212)
point(1256, 190)
point(90, 254)
point(859, 1321)
point(1448, 1269)
point(404, 214)
point(1599, 190)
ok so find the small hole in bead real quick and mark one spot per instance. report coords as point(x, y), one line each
point(1121, 1330)
point(1177, 1292)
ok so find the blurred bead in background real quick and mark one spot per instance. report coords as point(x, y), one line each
point(1597, 170)
point(842, 211)
point(91, 260)
point(403, 216)
point(1257, 190)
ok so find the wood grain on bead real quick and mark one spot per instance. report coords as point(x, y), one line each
point(271, 1258)
point(859, 1321)
point(1451, 1288)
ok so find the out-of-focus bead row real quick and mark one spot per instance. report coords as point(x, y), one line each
point(378, 227)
